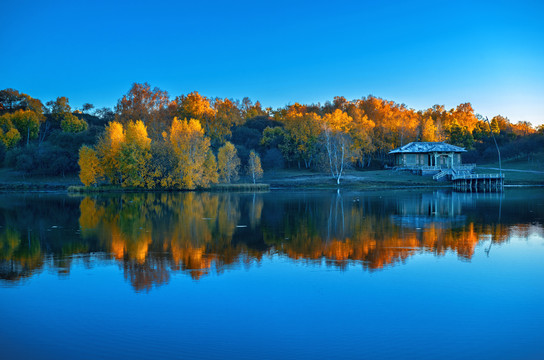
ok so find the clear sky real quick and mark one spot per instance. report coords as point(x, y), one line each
point(419, 53)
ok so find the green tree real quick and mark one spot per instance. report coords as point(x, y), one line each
point(460, 136)
point(27, 122)
point(481, 131)
point(59, 108)
point(227, 115)
point(250, 110)
point(162, 165)
point(73, 124)
point(278, 137)
point(57, 111)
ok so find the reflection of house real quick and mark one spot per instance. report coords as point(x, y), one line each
point(438, 209)
point(431, 158)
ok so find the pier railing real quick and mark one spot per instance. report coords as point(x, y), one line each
point(463, 167)
point(478, 182)
point(477, 176)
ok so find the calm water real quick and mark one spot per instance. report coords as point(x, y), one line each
point(290, 275)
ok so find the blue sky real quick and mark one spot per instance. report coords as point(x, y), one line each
point(419, 53)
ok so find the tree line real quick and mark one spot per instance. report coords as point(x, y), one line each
point(152, 140)
point(181, 158)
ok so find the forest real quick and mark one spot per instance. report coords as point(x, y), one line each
point(151, 140)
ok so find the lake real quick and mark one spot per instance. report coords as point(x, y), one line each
point(279, 275)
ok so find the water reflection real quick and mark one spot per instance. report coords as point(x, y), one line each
point(152, 235)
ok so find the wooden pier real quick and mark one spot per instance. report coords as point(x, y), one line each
point(478, 182)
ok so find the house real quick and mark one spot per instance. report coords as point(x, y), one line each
point(431, 158)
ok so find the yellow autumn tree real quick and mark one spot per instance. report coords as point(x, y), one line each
point(198, 107)
point(228, 163)
point(428, 131)
point(109, 149)
point(210, 176)
point(90, 214)
point(135, 156)
point(89, 165)
point(361, 133)
point(190, 147)
point(9, 135)
point(463, 115)
point(10, 138)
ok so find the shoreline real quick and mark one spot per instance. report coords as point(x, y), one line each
point(48, 188)
point(273, 181)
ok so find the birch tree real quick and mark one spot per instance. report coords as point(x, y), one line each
point(254, 168)
point(337, 141)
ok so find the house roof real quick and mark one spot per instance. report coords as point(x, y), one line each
point(426, 147)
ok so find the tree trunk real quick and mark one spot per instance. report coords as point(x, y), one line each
point(341, 164)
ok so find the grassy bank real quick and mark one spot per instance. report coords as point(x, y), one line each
point(216, 187)
point(352, 179)
point(515, 177)
point(517, 173)
point(103, 189)
point(11, 180)
point(240, 187)
point(31, 187)
point(526, 170)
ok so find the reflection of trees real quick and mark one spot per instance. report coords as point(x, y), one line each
point(18, 258)
point(152, 234)
point(256, 210)
point(195, 229)
point(364, 231)
point(144, 275)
